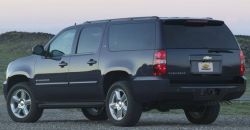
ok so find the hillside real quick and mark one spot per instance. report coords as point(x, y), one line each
point(22, 42)
point(17, 44)
point(245, 46)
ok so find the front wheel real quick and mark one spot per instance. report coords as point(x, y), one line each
point(95, 114)
point(122, 109)
point(21, 104)
point(203, 114)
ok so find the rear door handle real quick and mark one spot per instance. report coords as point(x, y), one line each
point(62, 64)
point(91, 62)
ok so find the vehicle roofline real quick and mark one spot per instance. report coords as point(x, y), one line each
point(143, 19)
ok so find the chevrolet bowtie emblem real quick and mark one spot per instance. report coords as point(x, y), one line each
point(205, 66)
point(207, 58)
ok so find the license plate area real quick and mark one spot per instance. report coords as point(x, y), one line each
point(205, 67)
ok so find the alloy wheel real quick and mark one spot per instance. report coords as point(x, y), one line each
point(118, 104)
point(20, 103)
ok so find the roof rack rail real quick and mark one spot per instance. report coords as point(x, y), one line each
point(135, 18)
point(208, 17)
point(97, 21)
point(123, 19)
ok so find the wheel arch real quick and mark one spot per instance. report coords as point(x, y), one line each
point(113, 76)
point(14, 79)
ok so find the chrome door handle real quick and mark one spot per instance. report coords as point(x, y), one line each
point(62, 64)
point(91, 62)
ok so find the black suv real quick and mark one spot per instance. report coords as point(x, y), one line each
point(116, 69)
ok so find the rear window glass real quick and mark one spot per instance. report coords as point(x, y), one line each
point(200, 36)
point(136, 36)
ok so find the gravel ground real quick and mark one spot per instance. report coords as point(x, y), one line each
point(72, 119)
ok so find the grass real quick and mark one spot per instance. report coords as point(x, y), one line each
point(235, 108)
point(20, 44)
point(7, 55)
point(248, 84)
point(242, 108)
point(4, 61)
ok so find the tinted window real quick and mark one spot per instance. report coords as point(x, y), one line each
point(204, 36)
point(132, 36)
point(89, 40)
point(63, 42)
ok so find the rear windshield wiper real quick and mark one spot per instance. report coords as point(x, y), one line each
point(219, 51)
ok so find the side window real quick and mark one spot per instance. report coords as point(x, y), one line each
point(90, 39)
point(137, 36)
point(63, 43)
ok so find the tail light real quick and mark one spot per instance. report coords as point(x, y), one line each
point(160, 66)
point(242, 63)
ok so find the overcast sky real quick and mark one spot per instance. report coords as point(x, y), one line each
point(53, 15)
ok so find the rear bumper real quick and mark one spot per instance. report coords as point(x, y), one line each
point(156, 89)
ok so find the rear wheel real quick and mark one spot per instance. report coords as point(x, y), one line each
point(21, 104)
point(95, 114)
point(122, 109)
point(203, 114)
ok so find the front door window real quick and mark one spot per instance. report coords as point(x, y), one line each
point(62, 45)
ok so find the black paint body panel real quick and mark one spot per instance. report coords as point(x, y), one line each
point(79, 82)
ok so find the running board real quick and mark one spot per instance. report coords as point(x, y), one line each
point(71, 105)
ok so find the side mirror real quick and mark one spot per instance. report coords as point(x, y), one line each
point(56, 53)
point(38, 50)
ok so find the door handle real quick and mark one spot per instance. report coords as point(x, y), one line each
point(91, 62)
point(62, 64)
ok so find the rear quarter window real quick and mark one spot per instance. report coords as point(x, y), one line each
point(132, 36)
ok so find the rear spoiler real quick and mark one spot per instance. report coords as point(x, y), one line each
point(194, 22)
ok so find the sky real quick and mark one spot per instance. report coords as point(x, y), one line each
point(51, 16)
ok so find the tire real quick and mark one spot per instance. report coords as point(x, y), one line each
point(204, 114)
point(121, 107)
point(21, 104)
point(95, 114)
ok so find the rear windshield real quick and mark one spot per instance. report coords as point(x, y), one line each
point(183, 35)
